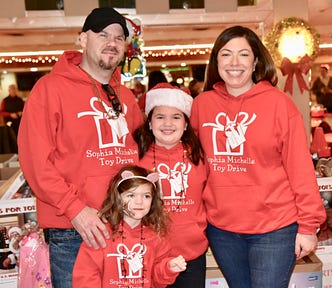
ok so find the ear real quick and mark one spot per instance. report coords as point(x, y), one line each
point(153, 177)
point(254, 66)
point(126, 174)
point(83, 40)
point(256, 61)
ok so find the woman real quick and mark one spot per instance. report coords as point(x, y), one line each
point(168, 145)
point(262, 199)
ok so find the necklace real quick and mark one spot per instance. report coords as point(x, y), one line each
point(178, 183)
point(135, 261)
point(113, 97)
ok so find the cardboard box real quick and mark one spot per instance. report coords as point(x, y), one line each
point(9, 280)
point(324, 253)
point(14, 214)
point(14, 164)
point(7, 172)
point(325, 188)
point(5, 159)
point(307, 273)
point(17, 207)
point(14, 179)
point(214, 279)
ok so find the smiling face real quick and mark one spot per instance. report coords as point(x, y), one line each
point(168, 125)
point(137, 203)
point(236, 64)
point(105, 49)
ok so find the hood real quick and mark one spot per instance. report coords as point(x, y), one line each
point(258, 89)
point(163, 150)
point(67, 67)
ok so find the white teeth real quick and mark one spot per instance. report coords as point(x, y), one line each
point(235, 73)
point(167, 132)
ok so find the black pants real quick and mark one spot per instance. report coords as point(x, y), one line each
point(193, 276)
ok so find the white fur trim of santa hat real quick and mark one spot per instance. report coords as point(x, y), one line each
point(168, 96)
point(14, 229)
point(326, 66)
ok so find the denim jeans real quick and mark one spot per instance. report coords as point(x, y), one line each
point(193, 276)
point(63, 245)
point(255, 260)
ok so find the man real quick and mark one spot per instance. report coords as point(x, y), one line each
point(11, 108)
point(75, 134)
point(322, 88)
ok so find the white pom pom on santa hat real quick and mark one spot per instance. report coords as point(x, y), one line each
point(164, 94)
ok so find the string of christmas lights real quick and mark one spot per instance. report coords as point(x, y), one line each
point(51, 59)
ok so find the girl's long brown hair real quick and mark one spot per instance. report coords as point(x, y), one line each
point(112, 209)
point(144, 138)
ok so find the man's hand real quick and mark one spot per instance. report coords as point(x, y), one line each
point(305, 244)
point(177, 264)
point(91, 228)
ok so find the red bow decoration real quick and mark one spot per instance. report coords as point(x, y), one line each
point(289, 68)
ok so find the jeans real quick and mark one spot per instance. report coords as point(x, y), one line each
point(255, 260)
point(193, 276)
point(63, 245)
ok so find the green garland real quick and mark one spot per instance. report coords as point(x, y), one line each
point(292, 25)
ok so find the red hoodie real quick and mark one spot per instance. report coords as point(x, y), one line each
point(121, 264)
point(68, 150)
point(186, 209)
point(262, 176)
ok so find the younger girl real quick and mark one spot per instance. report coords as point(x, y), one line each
point(136, 255)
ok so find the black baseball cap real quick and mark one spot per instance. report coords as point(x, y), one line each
point(99, 18)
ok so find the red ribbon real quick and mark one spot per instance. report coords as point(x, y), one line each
point(288, 68)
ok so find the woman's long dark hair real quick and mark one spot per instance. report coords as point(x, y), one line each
point(264, 69)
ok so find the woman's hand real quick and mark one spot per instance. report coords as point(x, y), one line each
point(305, 244)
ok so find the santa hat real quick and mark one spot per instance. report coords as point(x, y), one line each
point(164, 94)
point(326, 66)
point(14, 230)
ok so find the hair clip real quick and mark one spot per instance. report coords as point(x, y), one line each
point(152, 177)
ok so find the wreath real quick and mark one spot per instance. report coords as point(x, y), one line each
point(288, 31)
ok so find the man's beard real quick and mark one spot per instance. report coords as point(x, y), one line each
point(109, 65)
point(105, 66)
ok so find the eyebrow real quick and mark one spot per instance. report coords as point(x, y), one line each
point(108, 33)
point(175, 114)
point(241, 50)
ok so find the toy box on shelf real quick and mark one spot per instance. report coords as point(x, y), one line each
point(9, 160)
point(307, 273)
point(324, 249)
point(325, 233)
point(17, 217)
point(324, 253)
point(11, 180)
